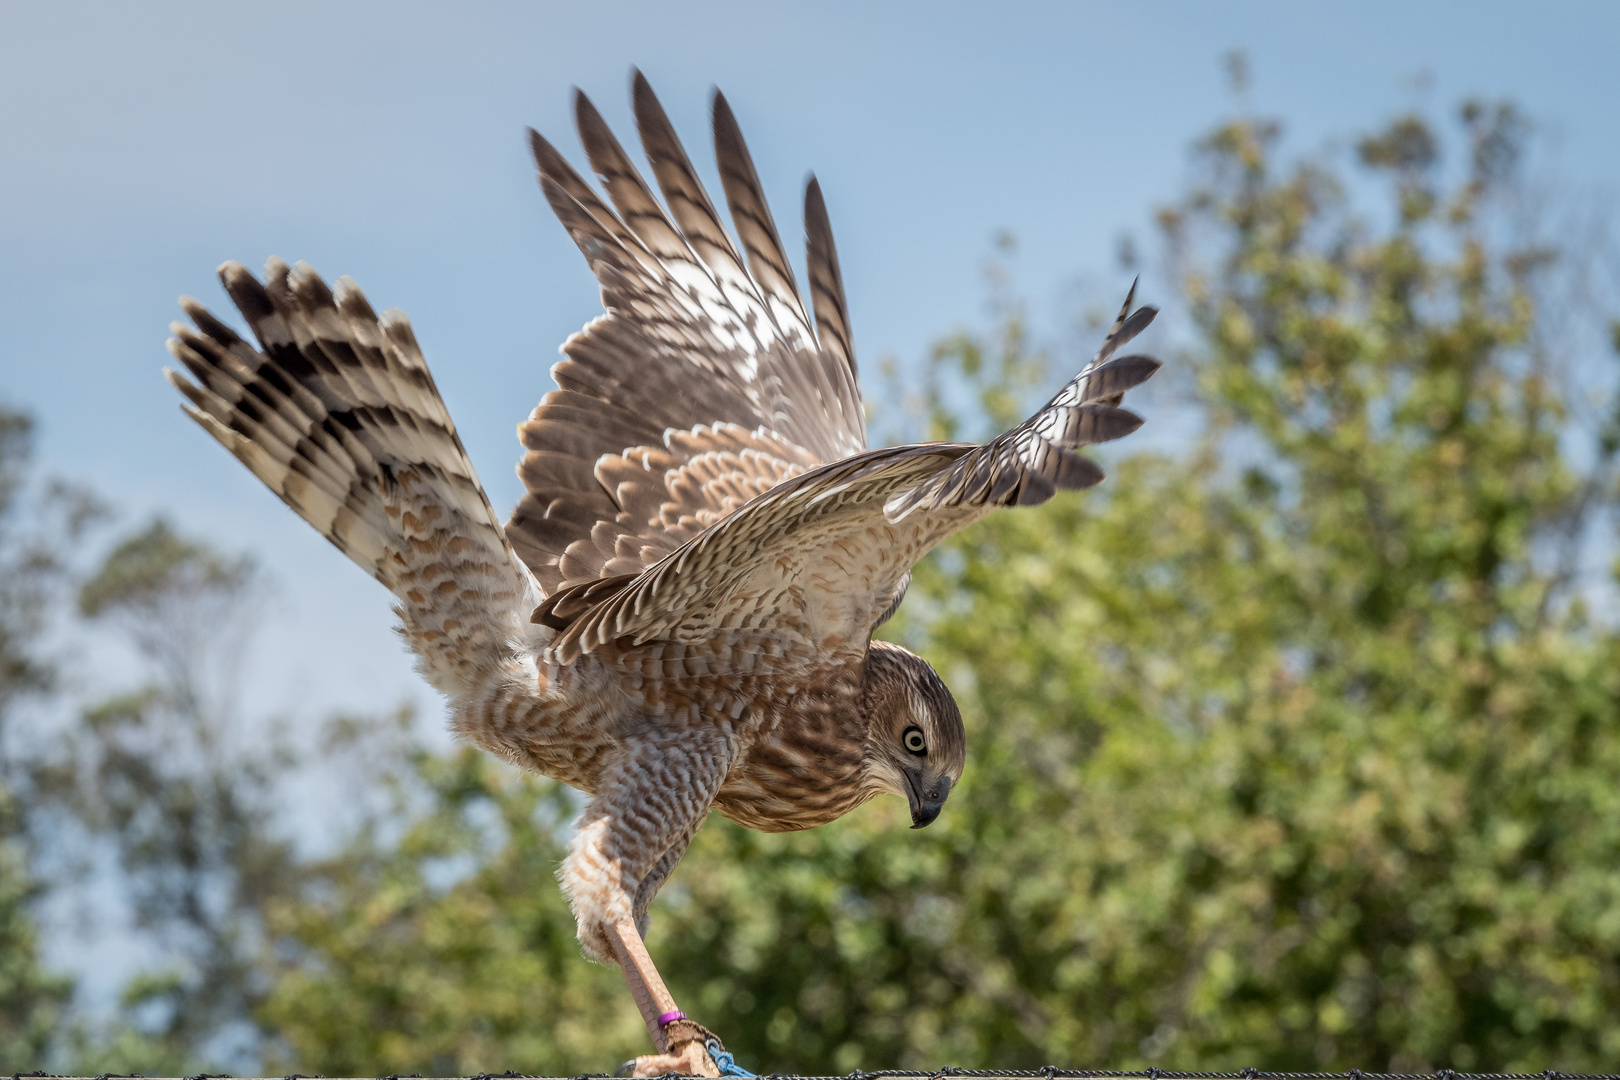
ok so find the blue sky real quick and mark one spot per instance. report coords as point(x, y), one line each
point(144, 144)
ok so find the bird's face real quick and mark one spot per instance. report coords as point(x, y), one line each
point(915, 743)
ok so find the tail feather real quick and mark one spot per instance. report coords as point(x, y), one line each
point(337, 413)
point(355, 528)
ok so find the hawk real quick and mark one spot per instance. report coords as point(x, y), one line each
point(678, 615)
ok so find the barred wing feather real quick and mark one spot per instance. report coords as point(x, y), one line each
point(1032, 462)
point(333, 399)
point(703, 385)
point(336, 413)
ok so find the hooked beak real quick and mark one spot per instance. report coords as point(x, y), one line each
point(926, 800)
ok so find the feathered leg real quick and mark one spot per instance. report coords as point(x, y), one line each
point(648, 804)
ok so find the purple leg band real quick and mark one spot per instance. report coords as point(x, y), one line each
point(670, 1017)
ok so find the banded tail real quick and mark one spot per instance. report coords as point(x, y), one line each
point(336, 412)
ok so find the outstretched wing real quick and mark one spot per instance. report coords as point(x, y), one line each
point(818, 558)
point(703, 385)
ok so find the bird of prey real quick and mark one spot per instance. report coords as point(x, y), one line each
point(678, 615)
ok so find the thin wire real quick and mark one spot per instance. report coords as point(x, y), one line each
point(1052, 1073)
point(1047, 1073)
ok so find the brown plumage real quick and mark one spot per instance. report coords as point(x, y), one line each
point(678, 614)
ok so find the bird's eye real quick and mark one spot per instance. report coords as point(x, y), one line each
point(913, 740)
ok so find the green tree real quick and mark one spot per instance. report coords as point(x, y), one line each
point(31, 999)
point(34, 533)
point(167, 778)
point(447, 950)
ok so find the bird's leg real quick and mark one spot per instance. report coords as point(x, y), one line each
point(688, 1057)
point(652, 997)
point(648, 803)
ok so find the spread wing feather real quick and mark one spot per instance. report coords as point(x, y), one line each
point(1029, 464)
point(335, 412)
point(752, 218)
point(823, 555)
point(688, 202)
point(335, 399)
point(701, 386)
point(832, 380)
point(554, 165)
point(827, 283)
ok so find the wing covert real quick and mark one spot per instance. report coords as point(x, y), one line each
point(822, 556)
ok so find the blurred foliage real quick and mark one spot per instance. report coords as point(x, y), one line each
point(451, 950)
point(31, 999)
point(1294, 748)
point(184, 800)
point(157, 791)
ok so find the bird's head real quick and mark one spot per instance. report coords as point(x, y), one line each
point(915, 746)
